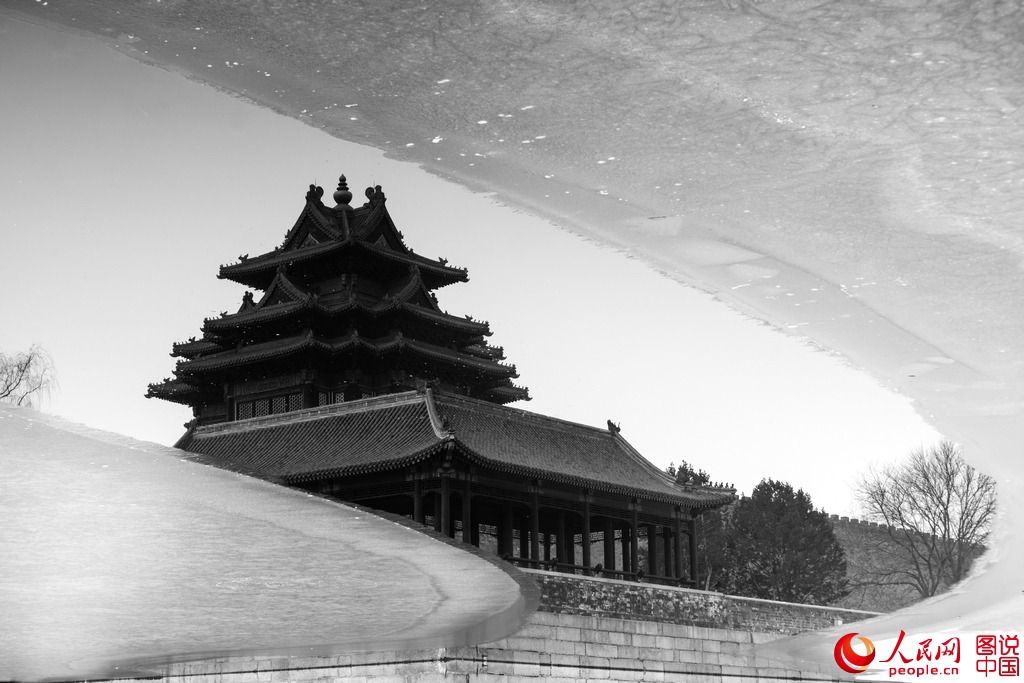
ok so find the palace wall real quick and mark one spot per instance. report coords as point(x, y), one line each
point(869, 554)
point(585, 629)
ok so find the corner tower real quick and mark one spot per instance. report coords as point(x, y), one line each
point(343, 310)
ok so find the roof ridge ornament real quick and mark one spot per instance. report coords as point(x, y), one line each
point(248, 303)
point(342, 195)
point(315, 194)
point(375, 196)
point(441, 424)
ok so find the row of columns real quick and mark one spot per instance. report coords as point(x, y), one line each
point(671, 537)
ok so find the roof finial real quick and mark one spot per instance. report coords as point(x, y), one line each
point(342, 196)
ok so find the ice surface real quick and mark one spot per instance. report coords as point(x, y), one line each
point(859, 166)
point(121, 556)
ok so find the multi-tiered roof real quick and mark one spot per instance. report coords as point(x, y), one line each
point(347, 311)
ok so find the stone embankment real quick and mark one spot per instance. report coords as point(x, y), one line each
point(586, 629)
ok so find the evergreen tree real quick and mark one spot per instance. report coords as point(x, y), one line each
point(778, 547)
point(686, 474)
point(711, 530)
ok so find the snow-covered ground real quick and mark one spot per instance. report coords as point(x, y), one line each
point(122, 555)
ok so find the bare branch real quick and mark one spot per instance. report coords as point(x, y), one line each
point(26, 376)
point(936, 509)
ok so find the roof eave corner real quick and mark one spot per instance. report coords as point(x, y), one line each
point(186, 438)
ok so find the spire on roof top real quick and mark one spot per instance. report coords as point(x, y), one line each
point(342, 195)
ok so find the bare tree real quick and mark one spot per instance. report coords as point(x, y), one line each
point(936, 510)
point(26, 376)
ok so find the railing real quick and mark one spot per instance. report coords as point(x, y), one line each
point(598, 571)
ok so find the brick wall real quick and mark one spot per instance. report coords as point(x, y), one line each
point(570, 594)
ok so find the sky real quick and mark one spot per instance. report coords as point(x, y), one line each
point(132, 185)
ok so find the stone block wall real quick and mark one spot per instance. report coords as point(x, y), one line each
point(551, 647)
point(586, 629)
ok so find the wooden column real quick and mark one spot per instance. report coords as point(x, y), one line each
point(436, 498)
point(678, 545)
point(547, 547)
point(691, 530)
point(586, 533)
point(467, 520)
point(634, 539)
point(446, 506)
point(560, 544)
point(535, 526)
point(624, 547)
point(506, 530)
point(652, 549)
point(666, 537)
point(417, 499)
point(609, 543)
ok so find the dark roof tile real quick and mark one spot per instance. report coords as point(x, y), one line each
point(392, 431)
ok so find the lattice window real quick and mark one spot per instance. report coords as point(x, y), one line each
point(261, 407)
point(323, 398)
point(279, 404)
point(294, 401)
point(243, 410)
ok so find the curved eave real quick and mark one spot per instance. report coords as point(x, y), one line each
point(263, 352)
point(259, 271)
point(194, 348)
point(498, 465)
point(441, 275)
point(474, 327)
point(256, 316)
point(489, 366)
point(595, 484)
point(247, 356)
point(509, 394)
point(284, 311)
point(174, 391)
point(366, 468)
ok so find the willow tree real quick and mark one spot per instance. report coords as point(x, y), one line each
point(25, 376)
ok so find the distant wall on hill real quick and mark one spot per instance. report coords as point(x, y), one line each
point(868, 552)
